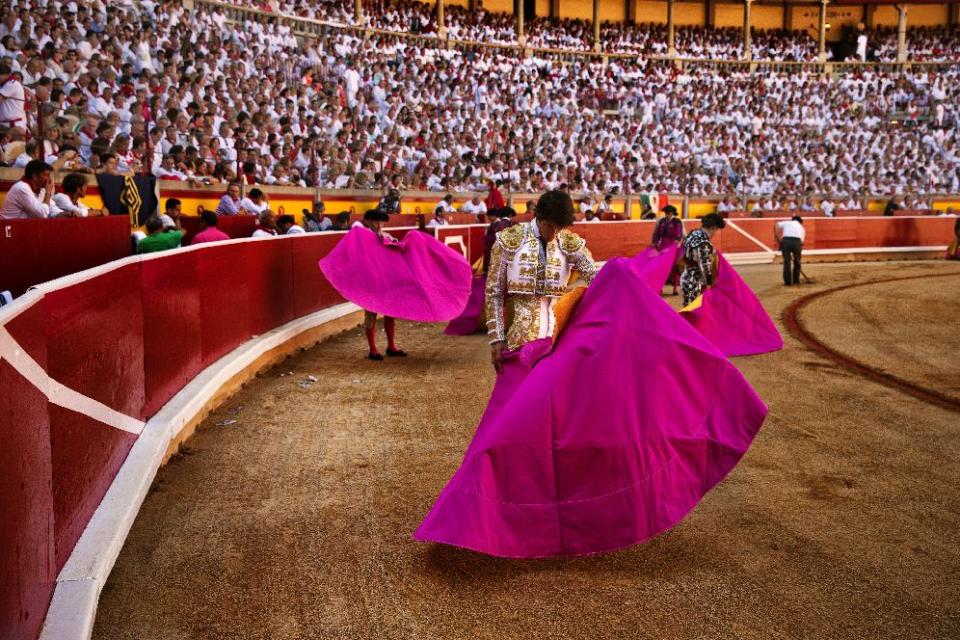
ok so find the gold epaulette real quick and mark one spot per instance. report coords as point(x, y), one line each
point(512, 237)
point(570, 242)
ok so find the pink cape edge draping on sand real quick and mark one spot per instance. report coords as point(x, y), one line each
point(417, 279)
point(610, 439)
point(733, 318)
point(468, 322)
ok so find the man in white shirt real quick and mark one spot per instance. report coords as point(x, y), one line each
point(476, 206)
point(862, 47)
point(267, 227)
point(439, 219)
point(352, 81)
point(12, 100)
point(254, 203)
point(789, 234)
point(68, 204)
point(30, 197)
point(446, 205)
point(287, 225)
point(827, 207)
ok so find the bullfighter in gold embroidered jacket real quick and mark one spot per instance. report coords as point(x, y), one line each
point(530, 267)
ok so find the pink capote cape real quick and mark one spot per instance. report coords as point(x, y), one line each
point(655, 266)
point(732, 317)
point(605, 441)
point(418, 278)
point(469, 321)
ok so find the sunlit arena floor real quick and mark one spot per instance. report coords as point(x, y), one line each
point(842, 521)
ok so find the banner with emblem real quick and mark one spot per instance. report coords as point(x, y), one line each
point(130, 195)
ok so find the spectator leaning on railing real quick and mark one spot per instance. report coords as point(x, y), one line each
point(68, 204)
point(30, 196)
point(229, 204)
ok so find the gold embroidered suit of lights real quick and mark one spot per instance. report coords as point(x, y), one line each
point(521, 287)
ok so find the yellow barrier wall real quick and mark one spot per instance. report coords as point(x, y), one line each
point(699, 209)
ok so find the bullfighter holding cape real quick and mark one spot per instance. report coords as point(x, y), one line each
point(417, 278)
point(578, 452)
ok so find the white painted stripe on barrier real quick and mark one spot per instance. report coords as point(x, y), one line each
point(73, 609)
point(749, 237)
point(19, 305)
point(59, 394)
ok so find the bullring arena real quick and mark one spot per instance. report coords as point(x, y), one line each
point(200, 439)
point(841, 522)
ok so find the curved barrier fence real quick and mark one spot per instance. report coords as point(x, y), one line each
point(86, 360)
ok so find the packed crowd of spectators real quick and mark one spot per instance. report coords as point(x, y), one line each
point(191, 97)
point(932, 44)
point(924, 44)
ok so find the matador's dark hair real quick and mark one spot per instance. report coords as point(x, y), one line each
point(557, 207)
point(713, 220)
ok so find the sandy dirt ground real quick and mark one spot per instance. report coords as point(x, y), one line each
point(842, 521)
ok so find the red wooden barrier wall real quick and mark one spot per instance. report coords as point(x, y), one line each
point(35, 251)
point(130, 337)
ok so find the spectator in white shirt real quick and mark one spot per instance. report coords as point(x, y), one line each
point(267, 227)
point(12, 99)
point(586, 206)
point(446, 205)
point(167, 170)
point(476, 206)
point(439, 219)
point(68, 204)
point(171, 215)
point(862, 47)
point(827, 207)
point(254, 203)
point(30, 197)
point(288, 226)
point(29, 150)
point(606, 205)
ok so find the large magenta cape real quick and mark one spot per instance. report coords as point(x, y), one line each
point(733, 318)
point(469, 320)
point(417, 279)
point(611, 437)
